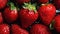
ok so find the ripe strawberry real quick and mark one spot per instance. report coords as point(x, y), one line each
point(43, 1)
point(56, 3)
point(39, 29)
point(18, 30)
point(57, 23)
point(11, 13)
point(28, 15)
point(46, 13)
point(4, 29)
point(3, 3)
point(22, 1)
point(1, 18)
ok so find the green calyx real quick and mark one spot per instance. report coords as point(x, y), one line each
point(12, 7)
point(30, 6)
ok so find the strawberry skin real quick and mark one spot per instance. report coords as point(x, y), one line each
point(1, 18)
point(43, 1)
point(4, 29)
point(27, 17)
point(22, 1)
point(47, 13)
point(10, 13)
point(56, 3)
point(18, 30)
point(57, 23)
point(3, 3)
point(39, 29)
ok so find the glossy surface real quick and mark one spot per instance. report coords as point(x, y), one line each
point(27, 17)
point(4, 29)
point(18, 30)
point(10, 15)
point(39, 29)
point(47, 12)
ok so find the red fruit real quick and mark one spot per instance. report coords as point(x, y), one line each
point(11, 13)
point(4, 29)
point(56, 3)
point(3, 3)
point(22, 1)
point(57, 23)
point(1, 18)
point(47, 13)
point(18, 30)
point(28, 15)
point(39, 29)
point(43, 1)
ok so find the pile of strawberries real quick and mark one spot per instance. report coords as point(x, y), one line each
point(29, 17)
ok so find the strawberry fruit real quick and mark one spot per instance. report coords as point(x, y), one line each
point(43, 1)
point(39, 29)
point(4, 29)
point(3, 3)
point(10, 13)
point(28, 15)
point(47, 13)
point(18, 30)
point(57, 23)
point(1, 18)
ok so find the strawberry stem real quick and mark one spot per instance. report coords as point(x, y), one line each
point(11, 4)
point(30, 6)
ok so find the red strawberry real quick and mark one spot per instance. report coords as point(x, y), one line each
point(46, 13)
point(28, 15)
point(18, 30)
point(3, 3)
point(1, 18)
point(39, 29)
point(4, 29)
point(57, 3)
point(22, 1)
point(57, 23)
point(43, 1)
point(11, 13)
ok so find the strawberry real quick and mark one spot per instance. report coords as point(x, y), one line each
point(57, 23)
point(1, 18)
point(18, 30)
point(4, 29)
point(39, 29)
point(28, 15)
point(10, 13)
point(43, 1)
point(22, 1)
point(3, 3)
point(47, 13)
point(56, 3)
